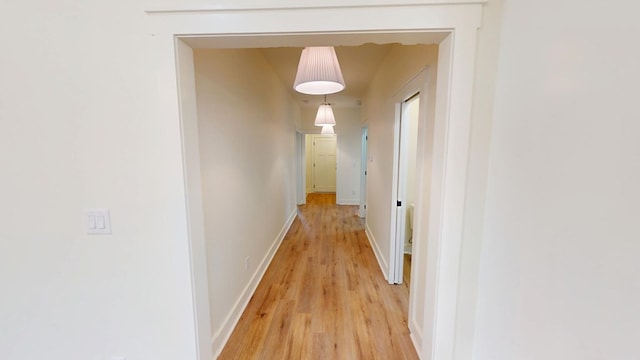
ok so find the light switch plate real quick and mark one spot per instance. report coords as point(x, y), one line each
point(97, 221)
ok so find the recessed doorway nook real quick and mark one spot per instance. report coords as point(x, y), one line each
point(306, 166)
point(436, 318)
point(409, 221)
point(413, 140)
point(362, 210)
point(321, 161)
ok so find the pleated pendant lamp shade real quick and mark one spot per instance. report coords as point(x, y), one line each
point(325, 117)
point(319, 71)
point(327, 130)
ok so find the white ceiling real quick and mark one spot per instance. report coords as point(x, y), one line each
point(359, 55)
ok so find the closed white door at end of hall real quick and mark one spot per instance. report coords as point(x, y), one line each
point(324, 160)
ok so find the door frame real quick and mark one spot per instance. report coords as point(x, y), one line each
point(417, 86)
point(362, 209)
point(301, 169)
point(170, 25)
point(301, 153)
point(314, 138)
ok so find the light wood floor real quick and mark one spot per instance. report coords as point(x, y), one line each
point(406, 269)
point(323, 296)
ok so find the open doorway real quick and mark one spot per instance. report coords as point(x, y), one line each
point(406, 186)
point(452, 115)
point(362, 210)
point(407, 178)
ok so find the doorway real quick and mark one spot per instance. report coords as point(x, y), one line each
point(362, 210)
point(406, 186)
point(452, 123)
point(409, 116)
point(321, 163)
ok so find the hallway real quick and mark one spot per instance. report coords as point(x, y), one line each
point(323, 296)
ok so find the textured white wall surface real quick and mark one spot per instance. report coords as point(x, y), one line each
point(559, 268)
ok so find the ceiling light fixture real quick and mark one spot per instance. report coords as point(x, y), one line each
point(325, 117)
point(327, 130)
point(319, 71)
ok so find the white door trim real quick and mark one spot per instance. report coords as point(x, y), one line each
point(362, 210)
point(418, 84)
point(456, 60)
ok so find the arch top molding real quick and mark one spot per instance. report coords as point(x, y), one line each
point(235, 5)
point(306, 18)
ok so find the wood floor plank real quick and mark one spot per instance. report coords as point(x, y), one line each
point(299, 337)
point(275, 343)
point(324, 296)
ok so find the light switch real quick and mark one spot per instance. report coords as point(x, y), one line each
point(92, 222)
point(97, 221)
point(100, 222)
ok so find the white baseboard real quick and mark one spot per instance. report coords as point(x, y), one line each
point(416, 337)
point(221, 337)
point(376, 250)
point(343, 201)
point(414, 330)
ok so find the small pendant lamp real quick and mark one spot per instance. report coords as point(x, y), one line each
point(318, 71)
point(327, 130)
point(325, 117)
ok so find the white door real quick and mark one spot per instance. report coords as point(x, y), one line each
point(405, 183)
point(324, 163)
point(362, 211)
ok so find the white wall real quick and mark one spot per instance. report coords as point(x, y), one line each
point(559, 268)
point(308, 154)
point(246, 122)
point(348, 129)
point(78, 128)
point(475, 197)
